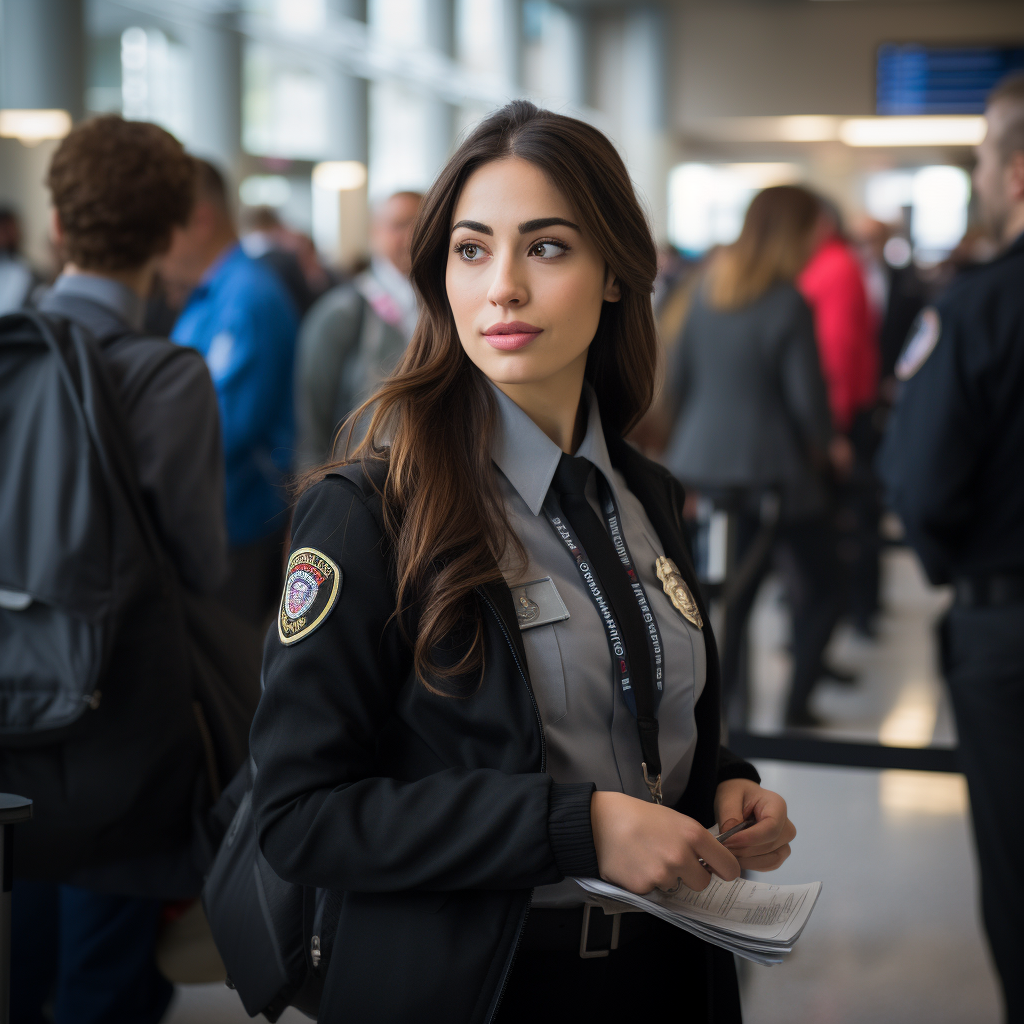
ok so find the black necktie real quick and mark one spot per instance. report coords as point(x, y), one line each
point(569, 483)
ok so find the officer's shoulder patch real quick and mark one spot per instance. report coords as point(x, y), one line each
point(312, 583)
point(924, 335)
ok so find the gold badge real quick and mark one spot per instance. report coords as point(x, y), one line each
point(679, 593)
point(311, 586)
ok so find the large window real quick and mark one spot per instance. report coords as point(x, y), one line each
point(155, 80)
point(284, 106)
point(931, 201)
point(707, 202)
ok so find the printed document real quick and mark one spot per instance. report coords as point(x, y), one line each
point(756, 920)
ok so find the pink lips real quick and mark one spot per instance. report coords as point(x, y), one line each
point(512, 336)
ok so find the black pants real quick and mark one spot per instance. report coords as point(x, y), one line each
point(983, 654)
point(814, 590)
point(735, 676)
point(664, 977)
point(860, 516)
point(89, 955)
point(807, 550)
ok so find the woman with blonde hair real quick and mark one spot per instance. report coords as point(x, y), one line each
point(752, 419)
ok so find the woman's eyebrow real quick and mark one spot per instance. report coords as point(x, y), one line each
point(545, 222)
point(475, 225)
point(524, 228)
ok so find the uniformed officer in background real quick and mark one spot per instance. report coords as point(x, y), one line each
point(953, 462)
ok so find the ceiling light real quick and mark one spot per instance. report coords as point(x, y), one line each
point(765, 175)
point(913, 131)
point(32, 126)
point(786, 128)
point(807, 128)
point(339, 175)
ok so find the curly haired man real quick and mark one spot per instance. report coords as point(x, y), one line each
point(86, 945)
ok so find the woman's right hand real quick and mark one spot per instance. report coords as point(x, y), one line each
point(643, 846)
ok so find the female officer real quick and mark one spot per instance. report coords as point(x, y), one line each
point(491, 671)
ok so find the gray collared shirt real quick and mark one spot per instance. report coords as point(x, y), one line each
point(118, 298)
point(591, 735)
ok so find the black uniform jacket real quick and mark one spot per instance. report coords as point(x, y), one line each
point(952, 457)
point(432, 814)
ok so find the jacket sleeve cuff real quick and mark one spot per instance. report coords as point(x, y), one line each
point(732, 767)
point(569, 829)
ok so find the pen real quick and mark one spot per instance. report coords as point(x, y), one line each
point(725, 835)
point(737, 828)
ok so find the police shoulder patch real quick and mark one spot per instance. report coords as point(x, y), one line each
point(312, 583)
point(924, 335)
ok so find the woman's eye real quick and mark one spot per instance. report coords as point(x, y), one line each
point(547, 250)
point(469, 252)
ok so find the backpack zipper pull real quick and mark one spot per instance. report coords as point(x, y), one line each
point(314, 951)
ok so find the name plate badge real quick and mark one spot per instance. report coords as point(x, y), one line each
point(538, 603)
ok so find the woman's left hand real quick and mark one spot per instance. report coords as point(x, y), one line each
point(764, 846)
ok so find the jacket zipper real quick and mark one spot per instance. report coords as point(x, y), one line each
point(543, 763)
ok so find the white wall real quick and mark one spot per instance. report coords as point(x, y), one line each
point(753, 58)
point(730, 58)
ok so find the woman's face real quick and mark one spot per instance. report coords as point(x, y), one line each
point(525, 284)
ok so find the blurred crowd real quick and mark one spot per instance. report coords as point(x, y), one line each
point(779, 352)
point(217, 361)
point(233, 359)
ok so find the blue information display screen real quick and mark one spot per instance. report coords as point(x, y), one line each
point(916, 79)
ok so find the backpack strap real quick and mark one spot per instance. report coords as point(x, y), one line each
point(75, 349)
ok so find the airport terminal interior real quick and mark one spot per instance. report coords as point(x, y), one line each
point(317, 111)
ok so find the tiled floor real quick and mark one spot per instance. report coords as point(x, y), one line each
point(895, 935)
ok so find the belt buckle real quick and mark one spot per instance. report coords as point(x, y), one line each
point(588, 954)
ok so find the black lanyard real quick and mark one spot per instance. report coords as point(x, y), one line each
point(643, 706)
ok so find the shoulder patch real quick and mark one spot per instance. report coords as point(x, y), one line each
point(924, 335)
point(312, 583)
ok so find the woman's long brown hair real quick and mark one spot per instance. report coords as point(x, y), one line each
point(434, 418)
point(773, 246)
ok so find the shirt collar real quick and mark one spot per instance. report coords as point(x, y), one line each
point(529, 458)
point(397, 285)
point(208, 280)
point(118, 298)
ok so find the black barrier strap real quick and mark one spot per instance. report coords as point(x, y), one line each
point(809, 750)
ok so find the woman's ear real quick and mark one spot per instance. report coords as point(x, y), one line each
point(612, 291)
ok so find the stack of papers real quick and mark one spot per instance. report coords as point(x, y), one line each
point(756, 920)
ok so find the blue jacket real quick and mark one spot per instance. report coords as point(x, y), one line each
point(243, 323)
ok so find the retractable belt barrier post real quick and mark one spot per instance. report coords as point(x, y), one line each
point(13, 809)
point(726, 573)
point(722, 576)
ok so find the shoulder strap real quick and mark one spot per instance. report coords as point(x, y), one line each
point(102, 340)
point(78, 355)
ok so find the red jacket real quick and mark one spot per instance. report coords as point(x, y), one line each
point(833, 285)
